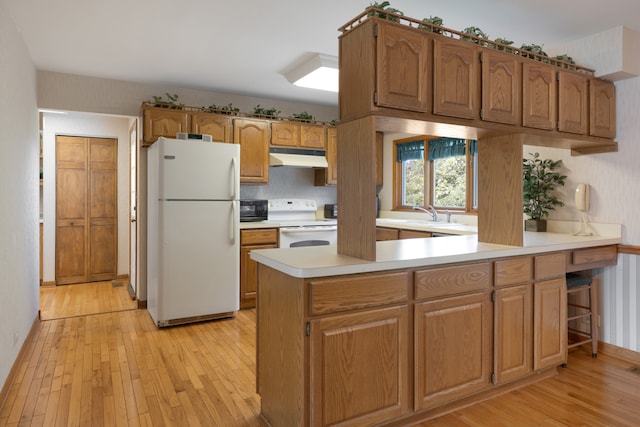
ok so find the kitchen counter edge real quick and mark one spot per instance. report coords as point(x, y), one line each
point(322, 261)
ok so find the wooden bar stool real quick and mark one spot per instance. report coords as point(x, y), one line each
point(582, 306)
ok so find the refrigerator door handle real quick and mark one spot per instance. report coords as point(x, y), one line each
point(234, 223)
point(234, 184)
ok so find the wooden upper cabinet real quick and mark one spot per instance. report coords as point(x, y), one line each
point(253, 137)
point(572, 101)
point(298, 135)
point(313, 136)
point(164, 122)
point(539, 99)
point(218, 126)
point(602, 108)
point(501, 88)
point(402, 71)
point(456, 79)
point(329, 175)
point(286, 134)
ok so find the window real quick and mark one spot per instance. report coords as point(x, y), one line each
point(435, 171)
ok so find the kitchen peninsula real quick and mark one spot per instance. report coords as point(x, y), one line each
point(432, 324)
point(394, 332)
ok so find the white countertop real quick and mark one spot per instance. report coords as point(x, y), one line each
point(319, 261)
point(431, 226)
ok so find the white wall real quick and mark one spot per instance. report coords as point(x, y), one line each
point(93, 125)
point(19, 167)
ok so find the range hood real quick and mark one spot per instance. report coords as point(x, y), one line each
point(296, 157)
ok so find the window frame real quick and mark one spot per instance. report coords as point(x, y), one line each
point(429, 172)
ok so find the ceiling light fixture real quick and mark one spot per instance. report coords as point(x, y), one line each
point(318, 72)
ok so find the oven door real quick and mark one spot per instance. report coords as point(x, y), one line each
point(295, 237)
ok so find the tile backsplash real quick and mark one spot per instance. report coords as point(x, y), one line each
point(290, 182)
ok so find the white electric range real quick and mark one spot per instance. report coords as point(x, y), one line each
point(299, 225)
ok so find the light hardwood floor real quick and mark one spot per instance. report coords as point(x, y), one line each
point(119, 369)
point(82, 299)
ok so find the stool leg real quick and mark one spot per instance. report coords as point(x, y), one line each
point(593, 303)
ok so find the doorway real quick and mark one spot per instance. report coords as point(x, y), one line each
point(86, 209)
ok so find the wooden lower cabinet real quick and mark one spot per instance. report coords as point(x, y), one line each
point(512, 333)
point(401, 346)
point(452, 348)
point(264, 238)
point(549, 323)
point(359, 367)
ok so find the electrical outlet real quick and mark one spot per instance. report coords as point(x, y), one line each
point(598, 320)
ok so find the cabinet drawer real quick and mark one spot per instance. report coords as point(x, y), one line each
point(452, 280)
point(259, 236)
point(350, 293)
point(606, 254)
point(513, 270)
point(549, 266)
point(386, 234)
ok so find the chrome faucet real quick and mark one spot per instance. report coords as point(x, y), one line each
point(430, 210)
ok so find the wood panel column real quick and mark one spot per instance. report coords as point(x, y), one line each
point(357, 188)
point(500, 218)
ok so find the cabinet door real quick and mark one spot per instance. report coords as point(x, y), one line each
point(573, 99)
point(249, 275)
point(456, 83)
point(218, 126)
point(602, 108)
point(549, 323)
point(313, 136)
point(512, 333)
point(332, 157)
point(359, 367)
point(379, 158)
point(163, 122)
point(285, 134)
point(501, 88)
point(402, 68)
point(253, 137)
point(452, 348)
point(539, 98)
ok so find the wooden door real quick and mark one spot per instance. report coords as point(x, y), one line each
point(501, 88)
point(512, 333)
point(453, 348)
point(602, 108)
point(573, 101)
point(362, 356)
point(549, 323)
point(218, 126)
point(539, 99)
point(456, 85)
point(402, 71)
point(86, 209)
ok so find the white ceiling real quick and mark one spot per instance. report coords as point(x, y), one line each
point(243, 46)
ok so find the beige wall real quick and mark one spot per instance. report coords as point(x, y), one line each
point(19, 167)
point(96, 95)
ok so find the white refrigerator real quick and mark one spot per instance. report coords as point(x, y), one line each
point(193, 253)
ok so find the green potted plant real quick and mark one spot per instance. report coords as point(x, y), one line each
point(540, 179)
point(171, 102)
point(386, 6)
point(270, 113)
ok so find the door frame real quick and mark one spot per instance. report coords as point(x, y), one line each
point(133, 209)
